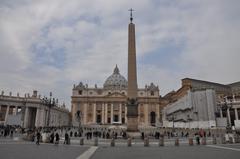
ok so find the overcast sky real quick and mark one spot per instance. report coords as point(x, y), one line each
point(49, 45)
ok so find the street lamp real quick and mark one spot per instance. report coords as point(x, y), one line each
point(49, 102)
point(78, 116)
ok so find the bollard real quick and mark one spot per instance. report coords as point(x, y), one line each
point(230, 140)
point(190, 141)
point(214, 141)
point(161, 141)
point(146, 142)
point(113, 142)
point(203, 142)
point(223, 140)
point(236, 139)
point(96, 141)
point(81, 141)
point(176, 142)
point(129, 142)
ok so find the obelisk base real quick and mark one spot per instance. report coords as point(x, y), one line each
point(132, 124)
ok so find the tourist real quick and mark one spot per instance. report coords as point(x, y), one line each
point(57, 139)
point(52, 137)
point(38, 138)
point(66, 138)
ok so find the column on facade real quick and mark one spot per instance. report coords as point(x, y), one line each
point(125, 114)
point(236, 114)
point(26, 116)
point(85, 113)
point(120, 112)
point(106, 112)
point(146, 114)
point(6, 115)
point(158, 113)
point(111, 113)
point(139, 112)
point(94, 113)
point(229, 117)
point(103, 110)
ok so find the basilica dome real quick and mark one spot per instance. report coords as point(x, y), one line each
point(115, 81)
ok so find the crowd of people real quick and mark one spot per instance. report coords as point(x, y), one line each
point(55, 134)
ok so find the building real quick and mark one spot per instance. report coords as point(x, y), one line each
point(202, 104)
point(31, 111)
point(107, 105)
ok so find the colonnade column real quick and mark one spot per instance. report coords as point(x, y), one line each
point(26, 115)
point(94, 113)
point(236, 114)
point(120, 113)
point(37, 118)
point(103, 110)
point(16, 109)
point(221, 113)
point(6, 115)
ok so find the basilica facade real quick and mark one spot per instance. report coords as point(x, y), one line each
point(107, 105)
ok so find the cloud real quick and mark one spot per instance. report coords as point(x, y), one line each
point(51, 45)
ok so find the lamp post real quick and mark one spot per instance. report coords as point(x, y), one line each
point(49, 102)
point(78, 116)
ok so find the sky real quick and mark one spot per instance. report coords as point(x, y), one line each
point(52, 45)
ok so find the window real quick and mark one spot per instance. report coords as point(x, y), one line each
point(123, 120)
point(80, 92)
point(153, 118)
point(152, 93)
point(109, 120)
point(115, 118)
point(98, 119)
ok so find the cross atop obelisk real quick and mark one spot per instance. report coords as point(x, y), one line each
point(132, 104)
point(131, 17)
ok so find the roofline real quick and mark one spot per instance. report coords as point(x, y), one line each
point(207, 82)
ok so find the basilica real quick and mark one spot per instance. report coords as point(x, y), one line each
point(107, 105)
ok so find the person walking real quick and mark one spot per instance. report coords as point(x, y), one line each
point(57, 139)
point(38, 138)
point(66, 139)
point(52, 138)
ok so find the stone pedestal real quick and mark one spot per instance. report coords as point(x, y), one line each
point(132, 115)
point(132, 124)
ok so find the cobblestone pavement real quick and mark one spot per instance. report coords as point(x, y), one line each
point(13, 148)
point(169, 152)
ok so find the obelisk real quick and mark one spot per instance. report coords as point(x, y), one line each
point(132, 104)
